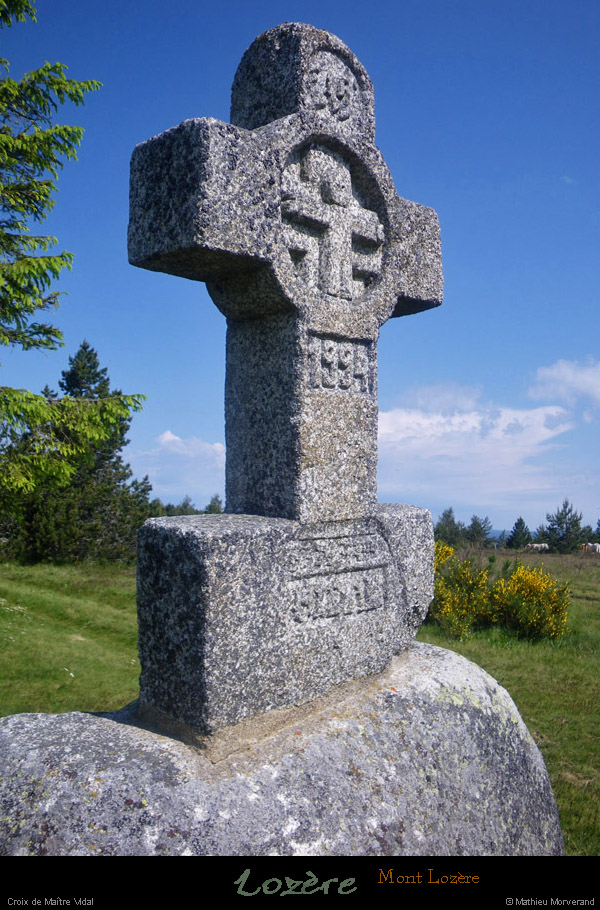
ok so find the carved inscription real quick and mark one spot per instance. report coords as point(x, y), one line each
point(330, 85)
point(339, 364)
point(340, 576)
point(333, 238)
point(344, 594)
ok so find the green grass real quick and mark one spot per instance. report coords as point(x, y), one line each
point(68, 638)
point(68, 642)
point(556, 687)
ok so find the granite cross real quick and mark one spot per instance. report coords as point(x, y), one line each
point(290, 216)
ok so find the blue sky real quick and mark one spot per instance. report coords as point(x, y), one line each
point(487, 111)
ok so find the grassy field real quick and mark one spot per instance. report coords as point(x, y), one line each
point(68, 642)
point(68, 638)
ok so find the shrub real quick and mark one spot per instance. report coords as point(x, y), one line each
point(441, 555)
point(460, 593)
point(529, 602)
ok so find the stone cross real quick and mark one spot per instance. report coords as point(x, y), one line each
point(290, 216)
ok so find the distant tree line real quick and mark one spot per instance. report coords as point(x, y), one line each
point(563, 531)
point(456, 534)
point(96, 513)
point(158, 509)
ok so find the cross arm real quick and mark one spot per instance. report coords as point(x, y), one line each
point(200, 201)
point(418, 253)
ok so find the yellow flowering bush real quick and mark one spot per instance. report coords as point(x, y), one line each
point(442, 554)
point(460, 592)
point(528, 601)
point(531, 602)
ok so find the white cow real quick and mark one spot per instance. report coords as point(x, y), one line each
point(592, 547)
point(538, 547)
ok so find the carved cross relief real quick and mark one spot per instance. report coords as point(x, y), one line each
point(334, 239)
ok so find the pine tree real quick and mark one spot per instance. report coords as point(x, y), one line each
point(97, 514)
point(479, 531)
point(564, 529)
point(448, 529)
point(520, 535)
point(85, 378)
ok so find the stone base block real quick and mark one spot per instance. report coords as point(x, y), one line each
point(429, 758)
point(240, 614)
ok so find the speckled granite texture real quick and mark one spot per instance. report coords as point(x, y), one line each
point(428, 758)
point(291, 217)
point(239, 614)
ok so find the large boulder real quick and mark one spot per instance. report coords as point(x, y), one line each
point(429, 757)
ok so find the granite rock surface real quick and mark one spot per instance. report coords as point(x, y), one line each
point(429, 758)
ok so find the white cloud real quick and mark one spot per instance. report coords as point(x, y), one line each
point(193, 447)
point(568, 380)
point(470, 455)
point(178, 467)
point(444, 397)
